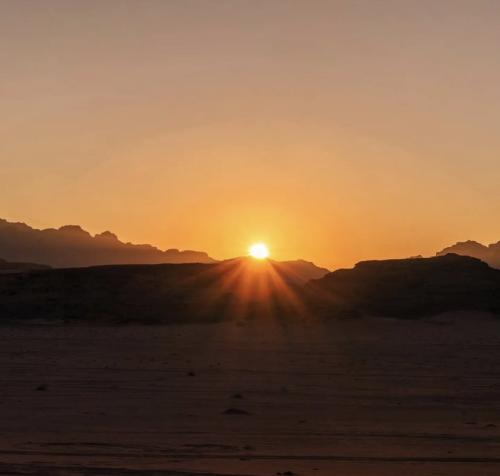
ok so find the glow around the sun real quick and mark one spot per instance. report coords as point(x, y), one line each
point(258, 251)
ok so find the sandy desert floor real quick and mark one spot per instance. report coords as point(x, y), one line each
point(348, 398)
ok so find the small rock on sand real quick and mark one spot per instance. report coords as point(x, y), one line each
point(235, 411)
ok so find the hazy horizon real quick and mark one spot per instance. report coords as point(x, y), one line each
point(333, 131)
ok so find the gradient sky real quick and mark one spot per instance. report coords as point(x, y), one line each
point(334, 131)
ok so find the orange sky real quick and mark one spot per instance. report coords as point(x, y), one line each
point(334, 131)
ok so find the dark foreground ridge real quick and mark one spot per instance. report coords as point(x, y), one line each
point(168, 293)
point(409, 288)
point(245, 289)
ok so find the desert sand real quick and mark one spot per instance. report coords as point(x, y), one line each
point(346, 398)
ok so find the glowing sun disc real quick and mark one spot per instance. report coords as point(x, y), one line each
point(258, 251)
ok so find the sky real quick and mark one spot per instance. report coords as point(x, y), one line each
point(334, 131)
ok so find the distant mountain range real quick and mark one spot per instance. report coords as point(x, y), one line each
point(71, 246)
point(489, 254)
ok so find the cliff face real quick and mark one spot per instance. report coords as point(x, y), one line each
point(71, 246)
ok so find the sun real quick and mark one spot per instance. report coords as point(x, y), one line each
point(258, 251)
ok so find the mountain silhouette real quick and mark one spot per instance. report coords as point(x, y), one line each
point(233, 289)
point(302, 270)
point(243, 288)
point(409, 288)
point(489, 254)
point(71, 246)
